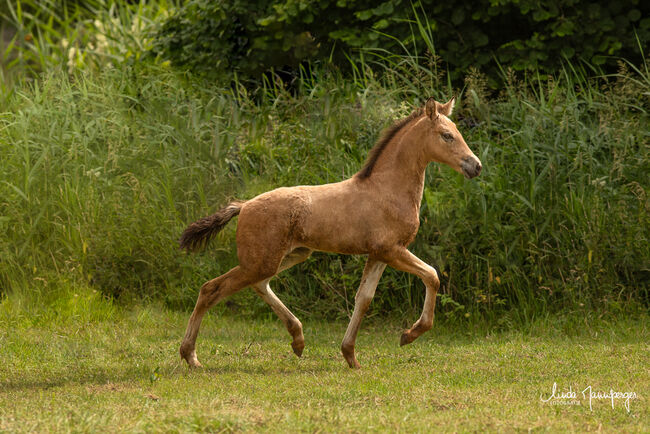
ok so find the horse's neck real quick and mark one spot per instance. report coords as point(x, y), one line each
point(400, 171)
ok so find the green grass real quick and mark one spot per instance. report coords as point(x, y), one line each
point(86, 365)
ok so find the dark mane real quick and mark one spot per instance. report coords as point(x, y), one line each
point(386, 136)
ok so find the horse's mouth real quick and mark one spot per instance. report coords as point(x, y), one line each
point(470, 167)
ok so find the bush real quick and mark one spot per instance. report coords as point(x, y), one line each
point(249, 36)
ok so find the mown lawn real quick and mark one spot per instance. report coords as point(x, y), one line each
point(64, 369)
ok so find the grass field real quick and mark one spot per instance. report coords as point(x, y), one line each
point(84, 364)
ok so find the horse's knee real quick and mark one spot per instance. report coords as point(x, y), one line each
point(431, 280)
point(208, 288)
point(209, 291)
point(223, 286)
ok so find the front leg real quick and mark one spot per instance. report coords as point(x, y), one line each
point(401, 259)
point(371, 275)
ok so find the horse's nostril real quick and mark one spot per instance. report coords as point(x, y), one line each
point(471, 167)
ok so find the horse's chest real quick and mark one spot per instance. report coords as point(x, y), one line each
point(408, 230)
point(405, 224)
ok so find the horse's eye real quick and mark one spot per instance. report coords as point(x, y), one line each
point(448, 137)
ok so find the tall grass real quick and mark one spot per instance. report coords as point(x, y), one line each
point(86, 35)
point(102, 168)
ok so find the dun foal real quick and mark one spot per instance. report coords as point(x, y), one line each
point(374, 213)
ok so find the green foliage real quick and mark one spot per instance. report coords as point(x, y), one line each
point(41, 35)
point(101, 173)
point(249, 36)
point(220, 36)
point(106, 159)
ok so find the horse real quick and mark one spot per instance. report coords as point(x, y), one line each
point(373, 213)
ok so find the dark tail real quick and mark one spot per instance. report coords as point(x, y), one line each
point(199, 233)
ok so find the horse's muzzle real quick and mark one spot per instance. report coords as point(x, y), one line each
point(471, 167)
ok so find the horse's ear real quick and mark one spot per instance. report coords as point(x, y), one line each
point(431, 109)
point(447, 108)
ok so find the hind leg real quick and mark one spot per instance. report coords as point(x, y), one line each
point(293, 324)
point(211, 293)
point(262, 240)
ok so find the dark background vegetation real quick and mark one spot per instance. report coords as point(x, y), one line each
point(251, 36)
point(120, 123)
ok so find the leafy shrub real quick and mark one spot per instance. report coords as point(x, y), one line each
point(250, 36)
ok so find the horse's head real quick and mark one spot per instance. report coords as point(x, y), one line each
point(445, 144)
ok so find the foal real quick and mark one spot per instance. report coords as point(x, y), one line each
point(374, 213)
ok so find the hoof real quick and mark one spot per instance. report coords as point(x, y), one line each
point(353, 363)
point(190, 357)
point(348, 354)
point(297, 347)
point(195, 364)
point(406, 338)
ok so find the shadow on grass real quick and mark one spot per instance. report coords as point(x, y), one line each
point(29, 384)
point(7, 386)
point(141, 376)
